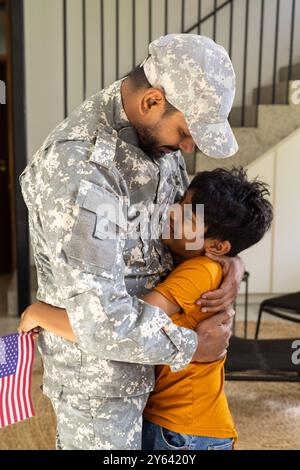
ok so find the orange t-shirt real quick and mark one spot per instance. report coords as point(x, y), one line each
point(191, 401)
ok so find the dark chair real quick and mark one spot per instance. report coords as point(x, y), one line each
point(290, 302)
point(246, 280)
point(269, 360)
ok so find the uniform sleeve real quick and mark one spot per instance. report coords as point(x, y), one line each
point(83, 229)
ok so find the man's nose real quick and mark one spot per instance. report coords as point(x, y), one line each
point(187, 145)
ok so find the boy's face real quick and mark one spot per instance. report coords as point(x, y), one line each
point(184, 230)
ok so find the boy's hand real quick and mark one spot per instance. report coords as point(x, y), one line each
point(41, 316)
point(28, 323)
point(222, 298)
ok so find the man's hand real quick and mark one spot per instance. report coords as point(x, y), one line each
point(222, 298)
point(213, 337)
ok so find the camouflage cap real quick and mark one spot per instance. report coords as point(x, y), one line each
point(197, 77)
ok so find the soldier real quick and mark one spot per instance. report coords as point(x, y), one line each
point(121, 149)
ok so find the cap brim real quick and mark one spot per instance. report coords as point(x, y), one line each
point(214, 140)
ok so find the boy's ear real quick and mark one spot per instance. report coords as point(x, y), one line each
point(217, 247)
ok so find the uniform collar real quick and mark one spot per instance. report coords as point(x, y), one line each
point(116, 125)
point(117, 118)
point(115, 113)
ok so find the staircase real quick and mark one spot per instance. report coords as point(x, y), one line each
point(274, 123)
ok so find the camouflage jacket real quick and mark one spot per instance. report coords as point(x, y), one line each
point(90, 159)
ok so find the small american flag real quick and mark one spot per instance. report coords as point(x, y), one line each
point(16, 360)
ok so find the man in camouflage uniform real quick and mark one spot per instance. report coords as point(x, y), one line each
point(103, 156)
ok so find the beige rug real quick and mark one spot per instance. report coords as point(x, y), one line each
point(267, 415)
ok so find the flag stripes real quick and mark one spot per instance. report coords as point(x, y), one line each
point(15, 389)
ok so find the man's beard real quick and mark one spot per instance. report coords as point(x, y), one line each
point(148, 143)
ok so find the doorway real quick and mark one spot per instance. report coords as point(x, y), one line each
point(7, 220)
point(14, 238)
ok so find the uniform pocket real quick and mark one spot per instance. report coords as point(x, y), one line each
point(98, 231)
point(74, 421)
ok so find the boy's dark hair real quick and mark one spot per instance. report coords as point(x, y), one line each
point(235, 208)
point(139, 80)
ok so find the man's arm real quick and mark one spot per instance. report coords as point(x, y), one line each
point(158, 300)
point(214, 333)
point(224, 297)
point(56, 320)
point(88, 270)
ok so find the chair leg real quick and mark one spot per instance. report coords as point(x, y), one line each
point(258, 322)
point(233, 323)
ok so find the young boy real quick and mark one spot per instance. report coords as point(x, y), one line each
point(188, 409)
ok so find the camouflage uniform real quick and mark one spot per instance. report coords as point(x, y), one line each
point(93, 156)
point(92, 159)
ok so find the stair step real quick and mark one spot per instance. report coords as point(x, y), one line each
point(235, 117)
point(295, 73)
point(282, 91)
point(275, 122)
point(249, 148)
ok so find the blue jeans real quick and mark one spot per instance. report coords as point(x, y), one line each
point(156, 437)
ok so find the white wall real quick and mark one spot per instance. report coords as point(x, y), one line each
point(286, 247)
point(274, 262)
point(258, 259)
point(43, 69)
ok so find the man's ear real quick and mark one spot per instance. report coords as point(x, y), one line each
point(217, 247)
point(153, 99)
